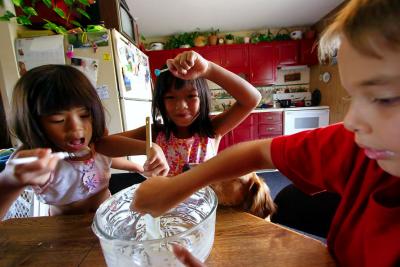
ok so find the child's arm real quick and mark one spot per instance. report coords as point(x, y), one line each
point(120, 145)
point(125, 164)
point(190, 65)
point(13, 179)
point(230, 163)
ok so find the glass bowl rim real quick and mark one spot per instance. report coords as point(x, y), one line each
point(103, 236)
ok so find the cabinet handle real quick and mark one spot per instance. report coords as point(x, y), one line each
point(269, 118)
point(271, 128)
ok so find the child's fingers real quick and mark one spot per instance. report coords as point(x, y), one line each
point(185, 257)
point(191, 58)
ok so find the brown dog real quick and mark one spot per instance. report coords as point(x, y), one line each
point(248, 192)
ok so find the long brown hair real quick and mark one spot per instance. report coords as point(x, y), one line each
point(362, 22)
point(45, 90)
point(202, 124)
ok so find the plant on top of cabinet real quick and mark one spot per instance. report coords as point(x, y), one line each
point(229, 38)
point(182, 40)
point(57, 16)
point(280, 36)
point(213, 36)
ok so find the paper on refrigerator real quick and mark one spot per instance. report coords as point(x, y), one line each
point(38, 51)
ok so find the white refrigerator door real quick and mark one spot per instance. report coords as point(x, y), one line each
point(134, 115)
point(132, 67)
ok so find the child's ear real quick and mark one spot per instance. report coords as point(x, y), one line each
point(258, 200)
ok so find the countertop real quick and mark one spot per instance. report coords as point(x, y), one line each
point(259, 110)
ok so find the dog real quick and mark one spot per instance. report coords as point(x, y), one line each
point(248, 192)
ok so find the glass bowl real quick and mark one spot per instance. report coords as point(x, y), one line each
point(130, 239)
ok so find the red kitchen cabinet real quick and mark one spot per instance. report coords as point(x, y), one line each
point(245, 131)
point(211, 53)
point(308, 52)
point(262, 63)
point(270, 124)
point(236, 59)
point(287, 52)
point(157, 59)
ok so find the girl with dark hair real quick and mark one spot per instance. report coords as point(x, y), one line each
point(187, 133)
point(56, 107)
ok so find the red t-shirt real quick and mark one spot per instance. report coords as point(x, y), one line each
point(365, 230)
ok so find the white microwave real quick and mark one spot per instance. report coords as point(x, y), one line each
point(305, 119)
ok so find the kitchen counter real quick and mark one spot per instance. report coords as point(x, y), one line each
point(259, 110)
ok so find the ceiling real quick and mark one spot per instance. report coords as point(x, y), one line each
point(167, 17)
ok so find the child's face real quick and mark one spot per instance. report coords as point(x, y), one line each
point(182, 105)
point(374, 114)
point(70, 130)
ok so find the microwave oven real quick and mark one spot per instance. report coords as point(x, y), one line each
point(289, 75)
point(305, 119)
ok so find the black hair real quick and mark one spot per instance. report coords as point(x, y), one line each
point(165, 82)
point(46, 90)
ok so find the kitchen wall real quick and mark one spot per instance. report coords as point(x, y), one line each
point(332, 92)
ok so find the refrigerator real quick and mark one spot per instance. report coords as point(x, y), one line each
point(123, 82)
point(116, 67)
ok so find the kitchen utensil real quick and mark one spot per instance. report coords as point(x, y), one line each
point(157, 72)
point(315, 97)
point(124, 237)
point(60, 155)
point(148, 136)
point(285, 103)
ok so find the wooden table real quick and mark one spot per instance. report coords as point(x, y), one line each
point(240, 240)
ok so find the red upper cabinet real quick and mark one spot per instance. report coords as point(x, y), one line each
point(236, 58)
point(308, 52)
point(287, 52)
point(211, 53)
point(157, 59)
point(262, 63)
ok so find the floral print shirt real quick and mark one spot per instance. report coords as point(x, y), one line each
point(179, 152)
point(75, 180)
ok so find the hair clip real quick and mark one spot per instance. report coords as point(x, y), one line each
point(157, 72)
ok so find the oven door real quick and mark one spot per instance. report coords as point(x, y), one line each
point(299, 120)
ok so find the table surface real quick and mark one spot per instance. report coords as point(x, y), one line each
point(241, 239)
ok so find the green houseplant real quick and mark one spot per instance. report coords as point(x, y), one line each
point(56, 15)
point(229, 38)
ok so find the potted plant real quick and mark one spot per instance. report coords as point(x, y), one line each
point(213, 36)
point(229, 38)
point(49, 14)
point(199, 38)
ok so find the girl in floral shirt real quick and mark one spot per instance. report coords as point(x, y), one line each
point(188, 134)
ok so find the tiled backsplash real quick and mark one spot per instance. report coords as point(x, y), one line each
point(221, 100)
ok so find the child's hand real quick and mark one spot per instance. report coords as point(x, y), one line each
point(188, 65)
point(33, 173)
point(156, 196)
point(156, 163)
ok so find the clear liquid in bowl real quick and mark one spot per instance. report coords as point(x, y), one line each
point(130, 239)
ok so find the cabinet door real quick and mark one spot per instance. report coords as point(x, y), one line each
point(237, 59)
point(287, 52)
point(270, 124)
point(211, 53)
point(262, 64)
point(225, 141)
point(246, 131)
point(308, 52)
point(157, 59)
